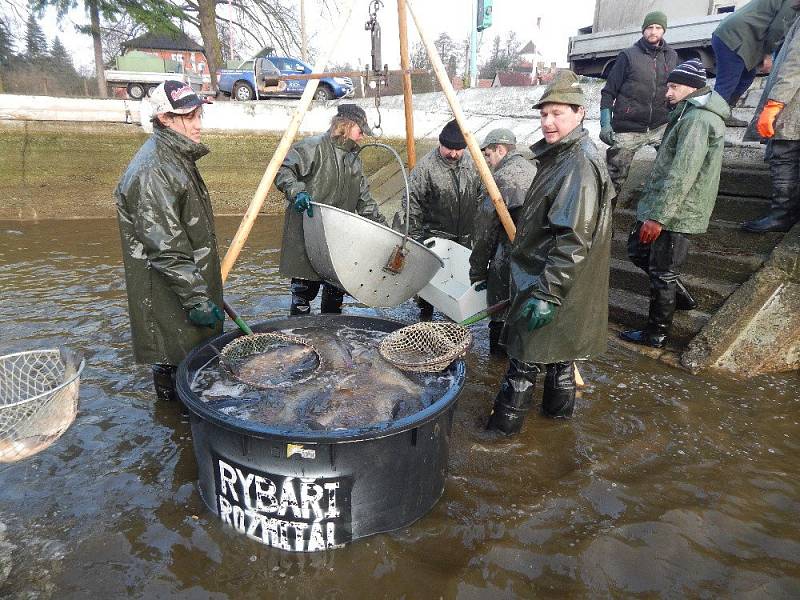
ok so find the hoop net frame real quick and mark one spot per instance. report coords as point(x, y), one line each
point(427, 347)
point(234, 353)
point(38, 400)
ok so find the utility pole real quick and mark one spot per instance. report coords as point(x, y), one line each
point(303, 38)
point(473, 45)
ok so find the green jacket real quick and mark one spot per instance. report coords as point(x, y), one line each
point(443, 199)
point(561, 254)
point(682, 188)
point(332, 174)
point(491, 246)
point(169, 247)
point(783, 85)
point(756, 29)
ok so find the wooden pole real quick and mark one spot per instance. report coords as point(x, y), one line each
point(474, 148)
point(411, 150)
point(280, 152)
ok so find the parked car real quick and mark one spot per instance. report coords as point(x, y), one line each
point(260, 78)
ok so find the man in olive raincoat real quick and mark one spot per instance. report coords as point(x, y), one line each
point(678, 197)
point(444, 187)
point(558, 265)
point(744, 39)
point(169, 247)
point(777, 121)
point(326, 169)
point(513, 174)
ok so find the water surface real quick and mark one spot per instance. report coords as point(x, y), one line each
point(662, 485)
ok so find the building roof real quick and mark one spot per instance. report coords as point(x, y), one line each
point(164, 41)
point(512, 79)
point(529, 48)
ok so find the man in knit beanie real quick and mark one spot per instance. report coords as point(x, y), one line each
point(444, 191)
point(679, 196)
point(633, 113)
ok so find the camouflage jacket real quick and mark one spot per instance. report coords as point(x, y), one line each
point(444, 198)
point(682, 188)
point(169, 247)
point(491, 246)
point(332, 174)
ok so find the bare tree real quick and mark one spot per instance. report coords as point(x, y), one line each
point(117, 31)
point(262, 22)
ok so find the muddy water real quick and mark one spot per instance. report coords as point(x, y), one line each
point(663, 485)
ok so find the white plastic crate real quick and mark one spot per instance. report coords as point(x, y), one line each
point(450, 290)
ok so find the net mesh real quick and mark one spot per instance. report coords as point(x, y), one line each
point(426, 347)
point(287, 359)
point(38, 400)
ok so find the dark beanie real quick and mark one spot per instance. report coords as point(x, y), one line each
point(451, 136)
point(654, 18)
point(691, 73)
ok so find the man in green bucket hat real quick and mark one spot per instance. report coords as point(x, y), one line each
point(558, 265)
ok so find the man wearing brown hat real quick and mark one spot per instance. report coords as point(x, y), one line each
point(558, 265)
point(324, 169)
point(443, 195)
point(678, 198)
point(633, 113)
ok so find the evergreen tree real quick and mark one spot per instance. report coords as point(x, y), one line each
point(61, 58)
point(35, 41)
point(6, 42)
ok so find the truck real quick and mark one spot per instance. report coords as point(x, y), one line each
point(617, 25)
point(140, 73)
point(260, 77)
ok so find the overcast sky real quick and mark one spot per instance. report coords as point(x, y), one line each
point(558, 23)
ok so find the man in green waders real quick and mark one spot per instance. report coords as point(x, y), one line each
point(558, 264)
point(325, 169)
point(169, 248)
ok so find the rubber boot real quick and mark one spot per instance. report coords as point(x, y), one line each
point(303, 292)
point(683, 299)
point(663, 293)
point(425, 310)
point(164, 382)
point(558, 399)
point(332, 298)
point(784, 205)
point(495, 347)
point(515, 398)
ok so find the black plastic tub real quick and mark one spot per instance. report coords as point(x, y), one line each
point(308, 491)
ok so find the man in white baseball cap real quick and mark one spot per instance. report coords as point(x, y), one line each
point(169, 248)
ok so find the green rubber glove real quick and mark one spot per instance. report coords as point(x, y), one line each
point(206, 314)
point(302, 202)
point(606, 131)
point(539, 313)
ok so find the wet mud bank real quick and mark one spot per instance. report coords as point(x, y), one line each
point(69, 170)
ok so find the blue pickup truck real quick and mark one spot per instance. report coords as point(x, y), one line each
point(261, 78)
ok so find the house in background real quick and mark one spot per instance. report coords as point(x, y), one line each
point(172, 46)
